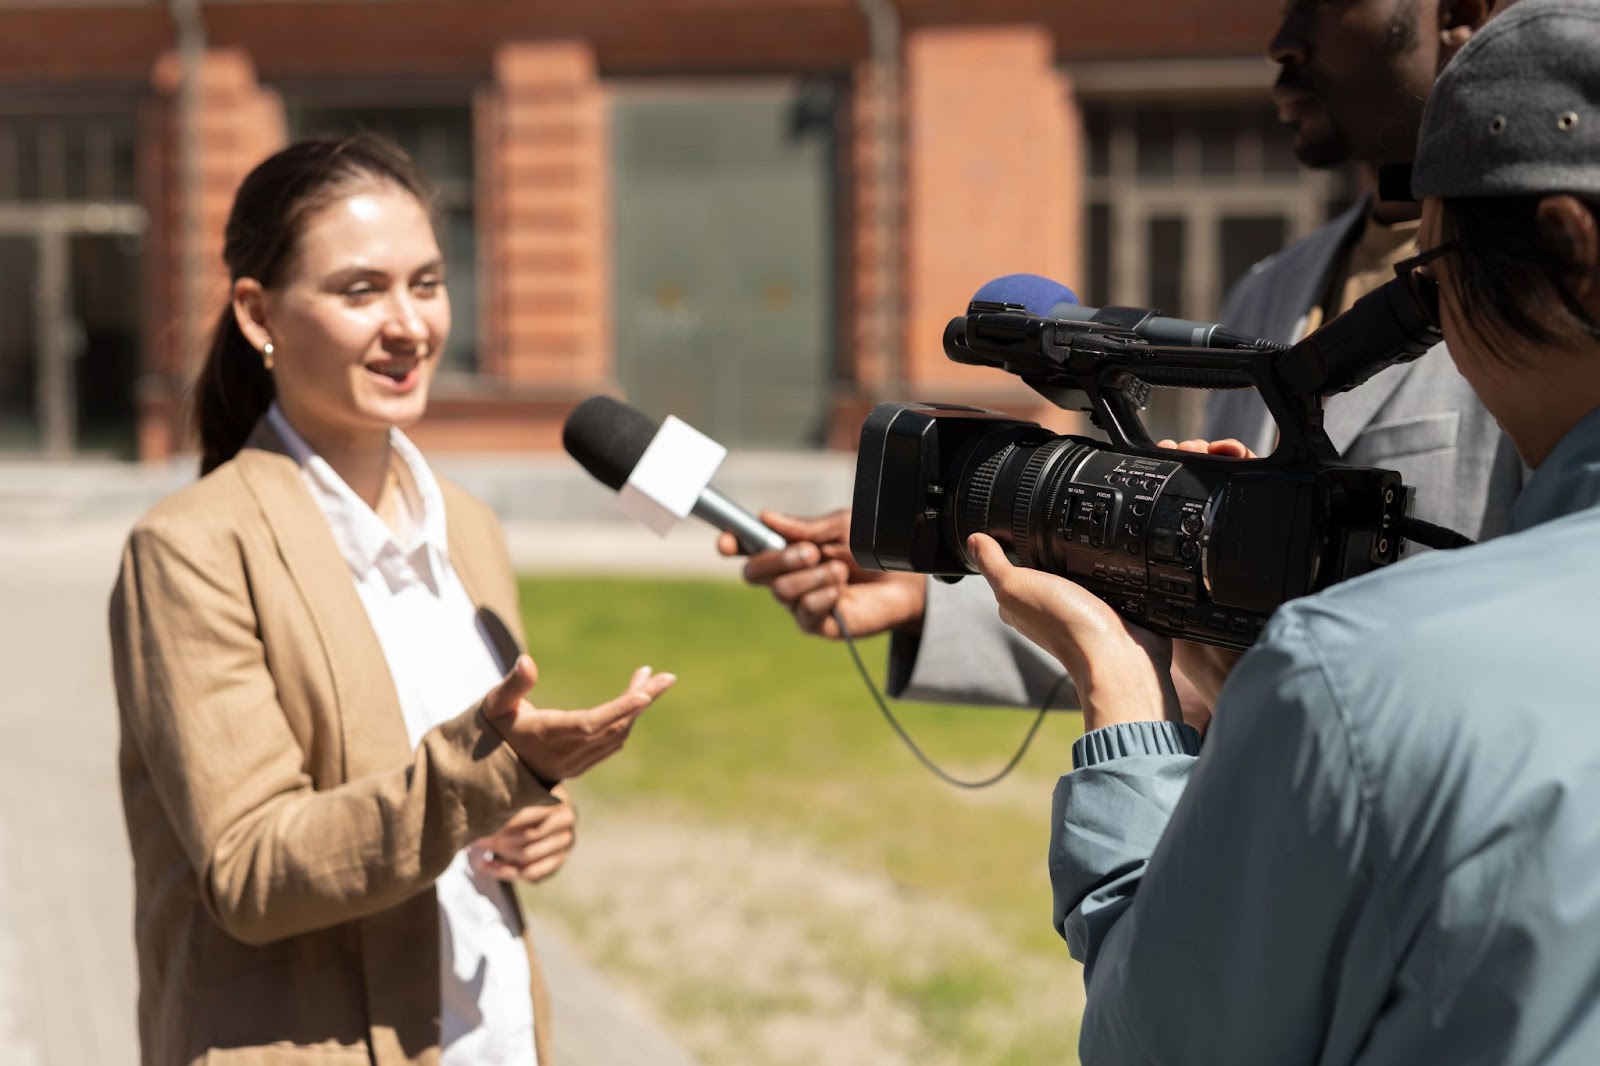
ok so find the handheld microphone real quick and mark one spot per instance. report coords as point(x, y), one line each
point(1051, 299)
point(662, 472)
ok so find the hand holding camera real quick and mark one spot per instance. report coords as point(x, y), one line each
point(1123, 672)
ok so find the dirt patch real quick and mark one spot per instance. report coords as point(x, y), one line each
point(762, 952)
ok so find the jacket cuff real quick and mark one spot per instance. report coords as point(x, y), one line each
point(1134, 738)
point(488, 775)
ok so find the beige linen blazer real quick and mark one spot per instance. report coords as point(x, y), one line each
point(285, 834)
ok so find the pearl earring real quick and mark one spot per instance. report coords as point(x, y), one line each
point(266, 355)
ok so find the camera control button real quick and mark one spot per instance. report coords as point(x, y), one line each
point(1191, 523)
point(1188, 551)
point(1140, 508)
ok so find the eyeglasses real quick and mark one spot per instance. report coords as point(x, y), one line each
point(1424, 283)
point(1422, 259)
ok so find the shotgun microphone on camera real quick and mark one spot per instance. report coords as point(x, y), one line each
point(1051, 299)
point(660, 472)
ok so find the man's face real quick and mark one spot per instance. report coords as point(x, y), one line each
point(1353, 77)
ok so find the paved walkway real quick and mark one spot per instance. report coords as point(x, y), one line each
point(67, 980)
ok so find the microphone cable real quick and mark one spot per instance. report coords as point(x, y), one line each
point(1431, 536)
point(932, 767)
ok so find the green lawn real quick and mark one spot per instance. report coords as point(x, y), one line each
point(772, 733)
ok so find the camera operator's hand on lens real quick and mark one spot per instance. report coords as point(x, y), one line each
point(532, 845)
point(817, 573)
point(562, 744)
point(1204, 666)
point(1123, 672)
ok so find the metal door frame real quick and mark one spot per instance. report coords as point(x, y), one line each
point(52, 226)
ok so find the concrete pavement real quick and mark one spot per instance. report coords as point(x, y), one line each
point(67, 978)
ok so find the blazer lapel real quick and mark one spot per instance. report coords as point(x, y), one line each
point(372, 726)
point(1346, 415)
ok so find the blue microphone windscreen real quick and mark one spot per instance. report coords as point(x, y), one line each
point(1035, 294)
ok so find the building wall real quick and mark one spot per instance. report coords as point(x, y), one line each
point(990, 165)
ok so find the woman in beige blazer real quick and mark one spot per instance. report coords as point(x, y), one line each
point(317, 651)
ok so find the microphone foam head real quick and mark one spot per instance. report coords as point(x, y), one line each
point(1034, 294)
point(607, 437)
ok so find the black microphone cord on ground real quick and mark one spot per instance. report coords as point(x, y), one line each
point(922, 756)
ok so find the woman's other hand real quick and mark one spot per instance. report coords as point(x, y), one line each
point(533, 844)
point(560, 744)
point(1123, 672)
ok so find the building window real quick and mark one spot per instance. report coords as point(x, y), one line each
point(71, 255)
point(72, 158)
point(1180, 200)
point(723, 253)
point(439, 139)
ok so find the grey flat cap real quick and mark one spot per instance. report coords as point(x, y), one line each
point(1517, 111)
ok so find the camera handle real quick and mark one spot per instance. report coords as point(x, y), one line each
point(1117, 393)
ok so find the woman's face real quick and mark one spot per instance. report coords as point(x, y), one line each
point(361, 317)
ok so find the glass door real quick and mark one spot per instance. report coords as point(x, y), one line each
point(19, 383)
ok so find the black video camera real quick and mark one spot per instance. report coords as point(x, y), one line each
point(1193, 546)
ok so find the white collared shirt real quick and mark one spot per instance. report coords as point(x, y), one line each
point(442, 664)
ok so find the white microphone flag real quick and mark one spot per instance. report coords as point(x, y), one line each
point(675, 468)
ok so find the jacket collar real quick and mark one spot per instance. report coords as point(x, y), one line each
point(1346, 414)
point(1567, 481)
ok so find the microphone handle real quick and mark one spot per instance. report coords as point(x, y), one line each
point(714, 507)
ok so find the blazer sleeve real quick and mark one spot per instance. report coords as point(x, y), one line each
point(275, 857)
point(965, 654)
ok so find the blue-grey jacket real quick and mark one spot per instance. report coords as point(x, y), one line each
point(1389, 850)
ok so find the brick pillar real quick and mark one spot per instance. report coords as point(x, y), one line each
point(992, 185)
point(546, 225)
point(865, 366)
point(239, 124)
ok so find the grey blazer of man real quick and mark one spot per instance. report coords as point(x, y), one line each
point(1420, 418)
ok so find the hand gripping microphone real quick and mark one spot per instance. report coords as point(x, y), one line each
point(661, 473)
point(1051, 299)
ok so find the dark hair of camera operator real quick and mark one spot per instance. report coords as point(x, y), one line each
point(1386, 852)
point(329, 769)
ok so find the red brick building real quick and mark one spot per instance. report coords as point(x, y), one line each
point(757, 214)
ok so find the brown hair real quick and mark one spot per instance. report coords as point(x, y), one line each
point(269, 214)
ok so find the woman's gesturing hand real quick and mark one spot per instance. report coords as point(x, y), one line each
point(1123, 672)
point(561, 744)
point(533, 844)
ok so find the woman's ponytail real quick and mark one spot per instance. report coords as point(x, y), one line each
point(233, 392)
